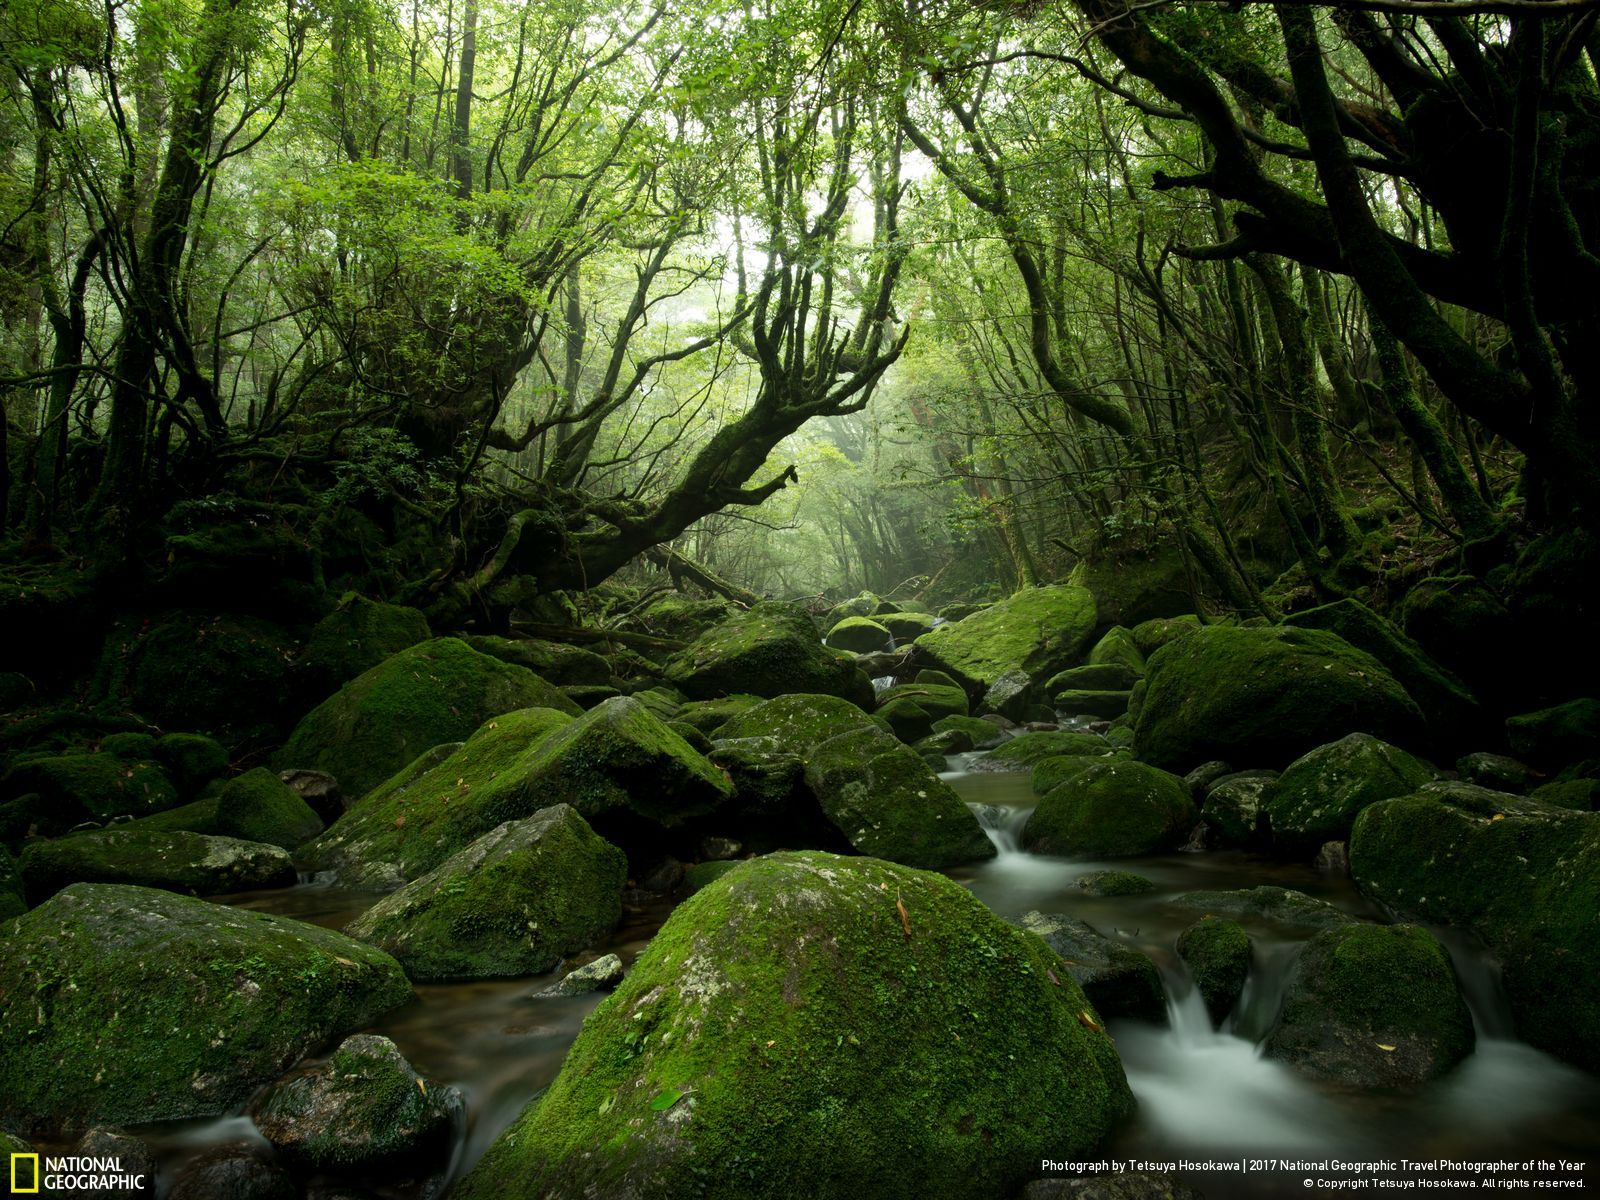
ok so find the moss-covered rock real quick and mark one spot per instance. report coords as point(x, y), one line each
point(1118, 980)
point(1012, 696)
point(1462, 624)
point(661, 702)
point(770, 650)
point(859, 635)
point(1027, 749)
point(1217, 953)
point(355, 637)
point(1373, 1006)
point(1087, 702)
point(129, 746)
point(260, 807)
point(709, 716)
point(11, 901)
point(1117, 648)
point(702, 875)
point(562, 665)
point(942, 745)
point(1524, 876)
point(865, 604)
point(906, 626)
point(1136, 584)
point(911, 709)
point(1273, 905)
point(1115, 883)
point(1111, 807)
point(74, 788)
point(985, 735)
point(1050, 773)
point(1038, 630)
point(1318, 796)
point(1110, 677)
point(1149, 636)
point(961, 610)
point(192, 863)
point(438, 691)
point(799, 721)
point(1559, 735)
point(785, 1034)
point(1580, 794)
point(1265, 696)
point(674, 616)
point(1495, 771)
point(192, 760)
point(364, 1109)
point(162, 1007)
point(1234, 805)
point(514, 902)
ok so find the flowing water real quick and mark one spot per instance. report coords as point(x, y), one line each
point(1201, 1090)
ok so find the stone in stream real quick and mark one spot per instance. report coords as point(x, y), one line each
point(260, 807)
point(438, 691)
point(513, 902)
point(1082, 702)
point(1233, 806)
point(1038, 630)
point(859, 635)
point(234, 1171)
point(1282, 906)
point(1372, 1006)
point(163, 1007)
point(1027, 749)
point(1111, 807)
point(821, 1026)
point(939, 746)
point(906, 626)
point(985, 735)
point(1115, 883)
point(602, 975)
point(1217, 953)
point(1119, 980)
point(1265, 696)
point(192, 863)
point(1010, 696)
point(771, 649)
point(911, 709)
point(1319, 795)
point(364, 1109)
point(1522, 875)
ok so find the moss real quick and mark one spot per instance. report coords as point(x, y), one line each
point(1279, 906)
point(679, 617)
point(1264, 697)
point(983, 733)
point(1118, 980)
point(260, 807)
point(1580, 794)
point(1233, 807)
point(937, 678)
point(693, 738)
point(906, 626)
point(942, 745)
point(960, 611)
point(1116, 648)
point(1107, 677)
point(514, 902)
point(1373, 1005)
point(661, 702)
point(192, 760)
point(1217, 953)
point(1149, 636)
point(1136, 585)
point(1083, 702)
point(859, 635)
point(561, 664)
point(863, 605)
point(1463, 624)
point(1318, 796)
point(198, 816)
point(1495, 771)
point(799, 721)
point(439, 691)
point(782, 1035)
point(708, 716)
point(911, 709)
point(1039, 630)
point(701, 875)
point(1524, 876)
point(11, 901)
point(1026, 749)
point(129, 747)
point(1111, 807)
point(1050, 773)
point(191, 863)
point(1115, 883)
point(357, 636)
point(769, 650)
point(125, 1004)
point(1556, 736)
point(92, 787)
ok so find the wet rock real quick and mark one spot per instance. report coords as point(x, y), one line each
point(318, 789)
point(363, 1109)
point(662, 878)
point(260, 807)
point(1283, 906)
point(1009, 696)
point(1118, 980)
point(939, 746)
point(1318, 796)
point(1200, 780)
point(1496, 771)
point(1051, 773)
point(1028, 749)
point(602, 975)
point(1037, 630)
point(1115, 883)
point(1333, 859)
point(1081, 702)
point(192, 863)
point(164, 1007)
point(1373, 1006)
point(1111, 807)
point(772, 649)
point(792, 982)
point(1217, 953)
point(985, 734)
point(133, 1156)
point(1234, 804)
point(859, 635)
point(1580, 794)
point(232, 1172)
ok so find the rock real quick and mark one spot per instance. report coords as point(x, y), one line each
point(788, 984)
point(514, 902)
point(1137, 584)
point(1495, 771)
point(1051, 773)
point(1117, 647)
point(11, 902)
point(129, 746)
point(1011, 696)
point(1078, 702)
point(1123, 1185)
point(1373, 1006)
point(1264, 695)
point(675, 616)
point(589, 695)
point(260, 807)
point(984, 734)
point(911, 709)
point(192, 863)
point(1115, 883)
point(135, 1160)
point(1523, 876)
point(771, 649)
point(941, 745)
point(164, 1007)
point(355, 637)
point(1038, 630)
point(1317, 797)
point(1333, 859)
point(716, 848)
point(1282, 906)
point(662, 878)
point(602, 975)
point(934, 678)
point(1027, 749)
point(768, 778)
point(662, 703)
point(232, 1172)
point(1113, 677)
point(1217, 953)
point(704, 874)
point(693, 738)
point(863, 605)
point(1118, 980)
point(318, 789)
point(1200, 780)
point(906, 626)
point(1462, 623)
point(708, 716)
point(74, 788)
point(859, 635)
point(1149, 636)
point(192, 760)
point(960, 611)
point(439, 691)
point(1554, 736)
point(1580, 794)
point(799, 722)
point(1111, 807)
point(1234, 805)
point(364, 1109)
point(616, 764)
point(562, 665)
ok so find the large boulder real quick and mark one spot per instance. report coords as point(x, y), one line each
point(1319, 795)
point(123, 1004)
point(1111, 807)
point(1028, 749)
point(438, 691)
point(512, 903)
point(1559, 735)
point(1233, 806)
point(615, 764)
point(859, 635)
point(1372, 1006)
point(771, 649)
point(260, 807)
point(1524, 876)
point(74, 788)
point(356, 636)
point(1038, 630)
point(192, 863)
point(821, 1026)
point(911, 709)
point(1137, 585)
point(1264, 696)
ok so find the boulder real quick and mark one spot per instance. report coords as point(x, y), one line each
point(1117, 648)
point(911, 709)
point(192, 760)
point(1264, 695)
point(1279, 906)
point(134, 1156)
point(906, 626)
point(1553, 737)
point(708, 716)
point(601, 975)
point(1136, 584)
point(1111, 807)
point(1011, 696)
point(355, 637)
point(514, 902)
point(1460, 622)
point(942, 745)
point(1495, 771)
point(1149, 636)
point(318, 789)
point(1524, 876)
point(1050, 773)
point(560, 664)
point(233, 1171)
point(1118, 980)
point(1113, 677)
point(1085, 702)
point(1200, 780)
point(1038, 630)
point(859, 635)
point(961, 610)
point(985, 735)
point(1234, 805)
point(163, 1007)
point(1027, 749)
point(1372, 1006)
point(1318, 796)
point(702, 875)
point(74, 788)
point(771, 649)
point(1115, 883)
point(1581, 794)
point(1217, 953)
point(821, 1026)
point(192, 863)
point(260, 807)
point(363, 1110)
point(435, 692)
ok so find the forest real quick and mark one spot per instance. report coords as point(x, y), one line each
point(798, 598)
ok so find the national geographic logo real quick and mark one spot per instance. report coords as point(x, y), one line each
point(72, 1176)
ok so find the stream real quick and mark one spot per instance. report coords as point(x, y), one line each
point(1202, 1091)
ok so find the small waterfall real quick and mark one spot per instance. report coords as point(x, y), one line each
point(882, 683)
point(1003, 823)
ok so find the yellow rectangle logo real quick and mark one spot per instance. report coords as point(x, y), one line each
point(16, 1188)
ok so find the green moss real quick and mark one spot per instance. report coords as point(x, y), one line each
point(1318, 796)
point(1116, 648)
point(1138, 584)
point(983, 733)
point(782, 1035)
point(701, 875)
point(1115, 883)
point(799, 721)
point(512, 903)
point(357, 636)
point(1559, 735)
point(1233, 807)
point(942, 745)
point(1275, 905)
point(859, 635)
point(1111, 807)
point(11, 901)
point(905, 626)
point(561, 664)
point(961, 611)
point(1026, 749)
point(1149, 636)
point(1038, 630)
point(769, 650)
point(708, 716)
point(192, 760)
point(1217, 953)
point(199, 816)
point(177, 861)
point(911, 709)
point(1050, 773)
point(1580, 794)
point(439, 691)
point(1107, 677)
point(1085, 702)
point(93, 787)
point(125, 1004)
point(130, 747)
point(260, 807)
